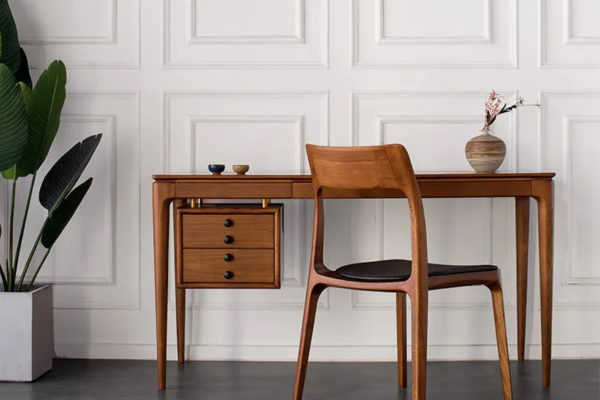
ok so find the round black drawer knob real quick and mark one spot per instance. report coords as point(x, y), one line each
point(228, 223)
point(228, 239)
point(228, 275)
point(228, 257)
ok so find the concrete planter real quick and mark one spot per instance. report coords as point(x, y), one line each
point(26, 334)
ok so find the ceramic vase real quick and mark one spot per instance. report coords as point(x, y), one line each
point(485, 152)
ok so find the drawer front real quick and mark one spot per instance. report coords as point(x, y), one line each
point(206, 231)
point(244, 266)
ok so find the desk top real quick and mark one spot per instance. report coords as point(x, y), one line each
point(445, 184)
point(303, 177)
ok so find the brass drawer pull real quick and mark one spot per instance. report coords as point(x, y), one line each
point(228, 275)
point(228, 239)
point(228, 257)
point(228, 223)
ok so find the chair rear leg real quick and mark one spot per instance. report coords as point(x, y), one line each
point(401, 333)
point(310, 311)
point(419, 315)
point(498, 303)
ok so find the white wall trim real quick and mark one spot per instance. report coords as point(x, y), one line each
point(510, 63)
point(329, 353)
point(299, 36)
point(486, 37)
point(323, 62)
point(568, 120)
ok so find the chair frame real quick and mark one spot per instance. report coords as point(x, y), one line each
point(360, 169)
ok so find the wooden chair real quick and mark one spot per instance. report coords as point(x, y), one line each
point(357, 172)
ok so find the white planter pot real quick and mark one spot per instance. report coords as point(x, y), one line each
point(26, 334)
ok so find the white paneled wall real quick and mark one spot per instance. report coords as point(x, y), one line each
point(177, 84)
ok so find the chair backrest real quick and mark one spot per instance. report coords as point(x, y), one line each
point(363, 169)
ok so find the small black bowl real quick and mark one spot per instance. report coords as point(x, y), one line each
point(216, 169)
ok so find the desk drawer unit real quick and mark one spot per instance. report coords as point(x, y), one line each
point(228, 246)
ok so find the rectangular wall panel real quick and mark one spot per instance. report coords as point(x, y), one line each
point(83, 33)
point(408, 34)
point(241, 34)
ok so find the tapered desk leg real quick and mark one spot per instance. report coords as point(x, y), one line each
point(542, 191)
point(180, 295)
point(522, 219)
point(162, 195)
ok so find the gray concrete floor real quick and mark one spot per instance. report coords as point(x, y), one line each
point(136, 380)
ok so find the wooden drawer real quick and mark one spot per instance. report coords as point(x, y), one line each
point(245, 266)
point(253, 244)
point(207, 231)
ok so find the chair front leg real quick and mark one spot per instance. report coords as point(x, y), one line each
point(401, 335)
point(498, 303)
point(313, 292)
point(419, 313)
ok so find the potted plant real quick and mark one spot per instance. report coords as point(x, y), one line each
point(29, 122)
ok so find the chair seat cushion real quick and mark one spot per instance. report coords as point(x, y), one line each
point(399, 270)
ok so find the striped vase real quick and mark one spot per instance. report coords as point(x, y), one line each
point(485, 152)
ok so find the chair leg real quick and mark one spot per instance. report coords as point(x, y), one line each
point(180, 316)
point(419, 305)
point(401, 333)
point(498, 303)
point(310, 311)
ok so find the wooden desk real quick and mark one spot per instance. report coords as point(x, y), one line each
point(521, 186)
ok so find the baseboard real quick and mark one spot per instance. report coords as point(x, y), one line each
point(318, 352)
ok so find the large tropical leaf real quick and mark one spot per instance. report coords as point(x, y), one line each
point(13, 120)
point(63, 214)
point(66, 171)
point(11, 55)
point(26, 92)
point(44, 106)
point(22, 74)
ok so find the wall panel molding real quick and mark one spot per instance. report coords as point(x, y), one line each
point(485, 37)
point(120, 289)
point(438, 44)
point(307, 47)
point(299, 35)
point(567, 50)
point(118, 47)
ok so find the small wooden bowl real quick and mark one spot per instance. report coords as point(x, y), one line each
point(216, 169)
point(241, 169)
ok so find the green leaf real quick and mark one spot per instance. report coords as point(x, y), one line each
point(13, 120)
point(26, 92)
point(11, 56)
point(44, 106)
point(66, 171)
point(63, 214)
point(22, 74)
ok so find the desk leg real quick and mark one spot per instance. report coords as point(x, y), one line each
point(162, 195)
point(542, 191)
point(180, 294)
point(522, 219)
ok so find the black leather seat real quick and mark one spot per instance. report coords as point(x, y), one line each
point(399, 270)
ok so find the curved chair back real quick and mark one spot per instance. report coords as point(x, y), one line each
point(358, 172)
